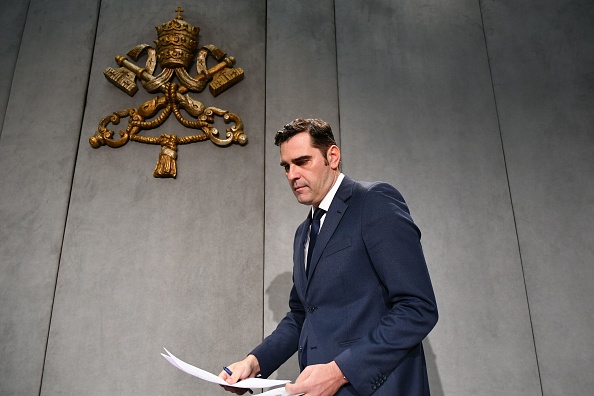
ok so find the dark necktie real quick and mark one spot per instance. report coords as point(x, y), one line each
point(313, 235)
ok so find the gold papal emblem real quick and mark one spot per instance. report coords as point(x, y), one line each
point(177, 45)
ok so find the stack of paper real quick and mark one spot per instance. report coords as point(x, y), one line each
point(246, 383)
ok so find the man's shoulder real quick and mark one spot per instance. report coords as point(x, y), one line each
point(366, 187)
point(366, 193)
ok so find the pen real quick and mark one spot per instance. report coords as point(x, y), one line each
point(231, 373)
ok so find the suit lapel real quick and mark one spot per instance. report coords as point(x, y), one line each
point(333, 217)
point(299, 253)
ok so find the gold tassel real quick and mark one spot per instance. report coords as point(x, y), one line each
point(166, 166)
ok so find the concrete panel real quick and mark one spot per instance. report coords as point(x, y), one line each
point(542, 54)
point(12, 24)
point(151, 263)
point(300, 82)
point(417, 110)
point(37, 154)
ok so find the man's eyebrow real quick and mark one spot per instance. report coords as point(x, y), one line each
point(297, 160)
point(302, 158)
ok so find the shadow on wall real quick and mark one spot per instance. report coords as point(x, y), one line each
point(278, 302)
point(432, 372)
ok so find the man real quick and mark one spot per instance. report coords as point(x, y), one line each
point(362, 303)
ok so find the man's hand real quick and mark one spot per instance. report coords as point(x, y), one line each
point(246, 368)
point(318, 380)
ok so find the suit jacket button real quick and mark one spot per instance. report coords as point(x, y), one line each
point(311, 309)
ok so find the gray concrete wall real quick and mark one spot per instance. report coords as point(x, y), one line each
point(12, 24)
point(150, 263)
point(544, 84)
point(38, 150)
point(480, 112)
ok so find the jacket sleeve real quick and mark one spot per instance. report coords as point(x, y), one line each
point(393, 245)
point(283, 342)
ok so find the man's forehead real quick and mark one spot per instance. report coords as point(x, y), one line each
point(302, 139)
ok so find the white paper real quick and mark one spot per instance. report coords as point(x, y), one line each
point(206, 376)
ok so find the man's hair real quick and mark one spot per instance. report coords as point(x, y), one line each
point(319, 131)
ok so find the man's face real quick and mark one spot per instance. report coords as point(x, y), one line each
point(310, 174)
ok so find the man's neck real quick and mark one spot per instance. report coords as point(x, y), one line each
point(325, 203)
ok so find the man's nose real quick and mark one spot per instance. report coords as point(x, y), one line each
point(293, 173)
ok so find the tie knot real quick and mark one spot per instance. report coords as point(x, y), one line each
point(318, 213)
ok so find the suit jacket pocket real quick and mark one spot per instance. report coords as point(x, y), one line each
point(337, 246)
point(348, 342)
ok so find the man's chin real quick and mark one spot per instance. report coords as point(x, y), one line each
point(302, 199)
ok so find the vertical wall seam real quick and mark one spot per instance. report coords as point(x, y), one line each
point(264, 169)
point(70, 195)
point(337, 76)
point(510, 195)
point(16, 61)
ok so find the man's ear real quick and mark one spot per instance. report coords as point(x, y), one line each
point(333, 156)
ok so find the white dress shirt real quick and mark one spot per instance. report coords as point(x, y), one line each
point(325, 204)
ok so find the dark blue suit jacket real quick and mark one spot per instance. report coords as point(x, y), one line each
point(368, 302)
